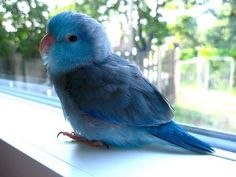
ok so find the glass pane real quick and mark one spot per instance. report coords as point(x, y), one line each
point(185, 48)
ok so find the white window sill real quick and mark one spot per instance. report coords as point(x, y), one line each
point(29, 147)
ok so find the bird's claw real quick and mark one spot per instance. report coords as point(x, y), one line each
point(82, 139)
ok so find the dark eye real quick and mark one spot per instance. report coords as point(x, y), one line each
point(72, 38)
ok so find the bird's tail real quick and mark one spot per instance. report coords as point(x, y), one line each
point(174, 134)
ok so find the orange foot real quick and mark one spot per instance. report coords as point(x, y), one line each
point(82, 139)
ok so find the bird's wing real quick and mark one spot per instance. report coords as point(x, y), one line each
point(115, 90)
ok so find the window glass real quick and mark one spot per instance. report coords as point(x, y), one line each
point(187, 49)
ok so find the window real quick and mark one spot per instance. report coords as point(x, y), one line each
point(185, 49)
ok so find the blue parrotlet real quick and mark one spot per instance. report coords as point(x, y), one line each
point(105, 97)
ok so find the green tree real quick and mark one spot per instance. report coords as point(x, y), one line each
point(5, 43)
point(186, 29)
point(147, 27)
point(186, 35)
point(27, 21)
point(223, 35)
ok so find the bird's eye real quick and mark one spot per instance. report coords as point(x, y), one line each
point(72, 38)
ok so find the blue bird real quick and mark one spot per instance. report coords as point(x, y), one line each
point(106, 99)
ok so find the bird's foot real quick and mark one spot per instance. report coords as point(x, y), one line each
point(82, 139)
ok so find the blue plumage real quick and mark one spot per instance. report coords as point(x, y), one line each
point(175, 134)
point(105, 97)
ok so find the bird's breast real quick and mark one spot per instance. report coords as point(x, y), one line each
point(94, 128)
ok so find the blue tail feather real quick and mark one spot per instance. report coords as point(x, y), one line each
point(174, 134)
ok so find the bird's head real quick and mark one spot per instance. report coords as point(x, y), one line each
point(73, 39)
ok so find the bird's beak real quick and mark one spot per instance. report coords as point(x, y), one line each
point(46, 43)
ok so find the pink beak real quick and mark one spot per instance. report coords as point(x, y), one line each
point(46, 43)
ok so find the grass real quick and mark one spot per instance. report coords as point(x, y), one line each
point(210, 109)
point(234, 91)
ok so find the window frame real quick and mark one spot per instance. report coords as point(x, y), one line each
point(222, 140)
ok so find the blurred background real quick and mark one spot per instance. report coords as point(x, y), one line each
point(186, 48)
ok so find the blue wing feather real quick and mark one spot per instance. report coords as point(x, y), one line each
point(115, 90)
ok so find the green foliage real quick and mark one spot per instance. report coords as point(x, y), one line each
point(219, 75)
point(69, 7)
point(222, 35)
point(185, 31)
point(209, 52)
point(27, 22)
point(233, 53)
point(188, 53)
point(89, 7)
point(213, 52)
point(210, 109)
point(147, 24)
point(186, 35)
point(5, 43)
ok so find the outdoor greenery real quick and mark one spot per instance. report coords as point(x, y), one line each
point(23, 22)
point(212, 109)
point(145, 28)
point(137, 14)
point(22, 25)
point(222, 35)
point(186, 35)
